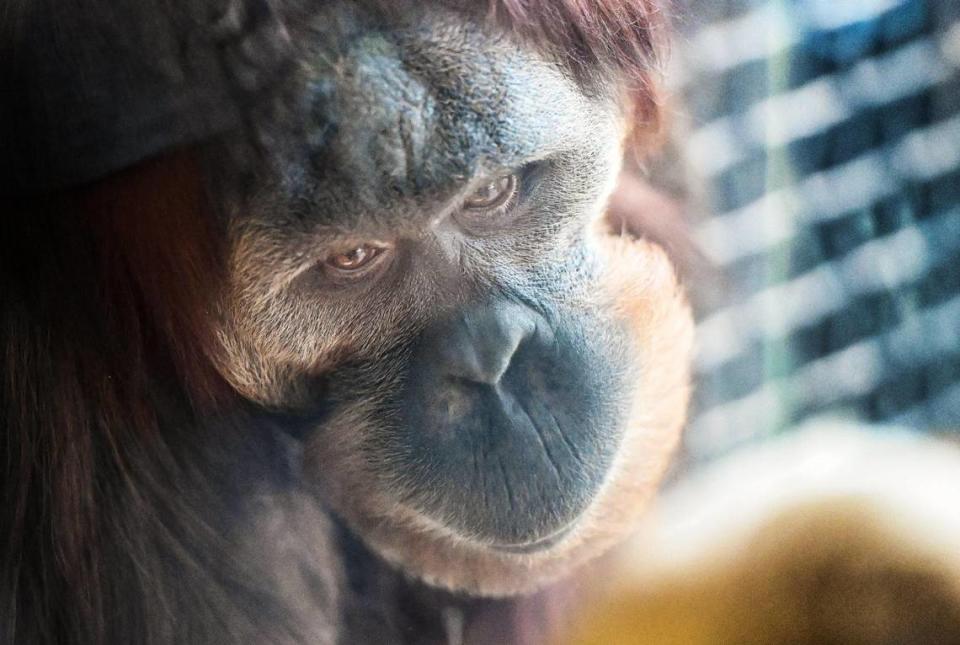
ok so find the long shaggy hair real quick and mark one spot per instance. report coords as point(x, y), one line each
point(101, 327)
point(626, 37)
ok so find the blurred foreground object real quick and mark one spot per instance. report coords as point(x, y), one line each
point(831, 535)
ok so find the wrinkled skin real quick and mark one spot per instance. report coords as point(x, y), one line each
point(489, 483)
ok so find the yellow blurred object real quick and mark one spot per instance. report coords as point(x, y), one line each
point(830, 536)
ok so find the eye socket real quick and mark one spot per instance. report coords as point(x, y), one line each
point(355, 261)
point(493, 194)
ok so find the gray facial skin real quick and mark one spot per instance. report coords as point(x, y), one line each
point(404, 123)
point(418, 113)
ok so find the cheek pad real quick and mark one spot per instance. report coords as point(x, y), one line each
point(639, 284)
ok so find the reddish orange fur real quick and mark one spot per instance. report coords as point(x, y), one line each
point(109, 293)
point(626, 37)
point(112, 291)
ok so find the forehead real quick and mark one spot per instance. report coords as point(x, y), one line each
point(403, 109)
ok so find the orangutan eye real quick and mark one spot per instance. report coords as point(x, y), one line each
point(492, 194)
point(355, 259)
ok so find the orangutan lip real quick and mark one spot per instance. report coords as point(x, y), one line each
point(537, 545)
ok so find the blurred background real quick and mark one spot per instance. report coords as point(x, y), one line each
point(819, 143)
point(824, 138)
